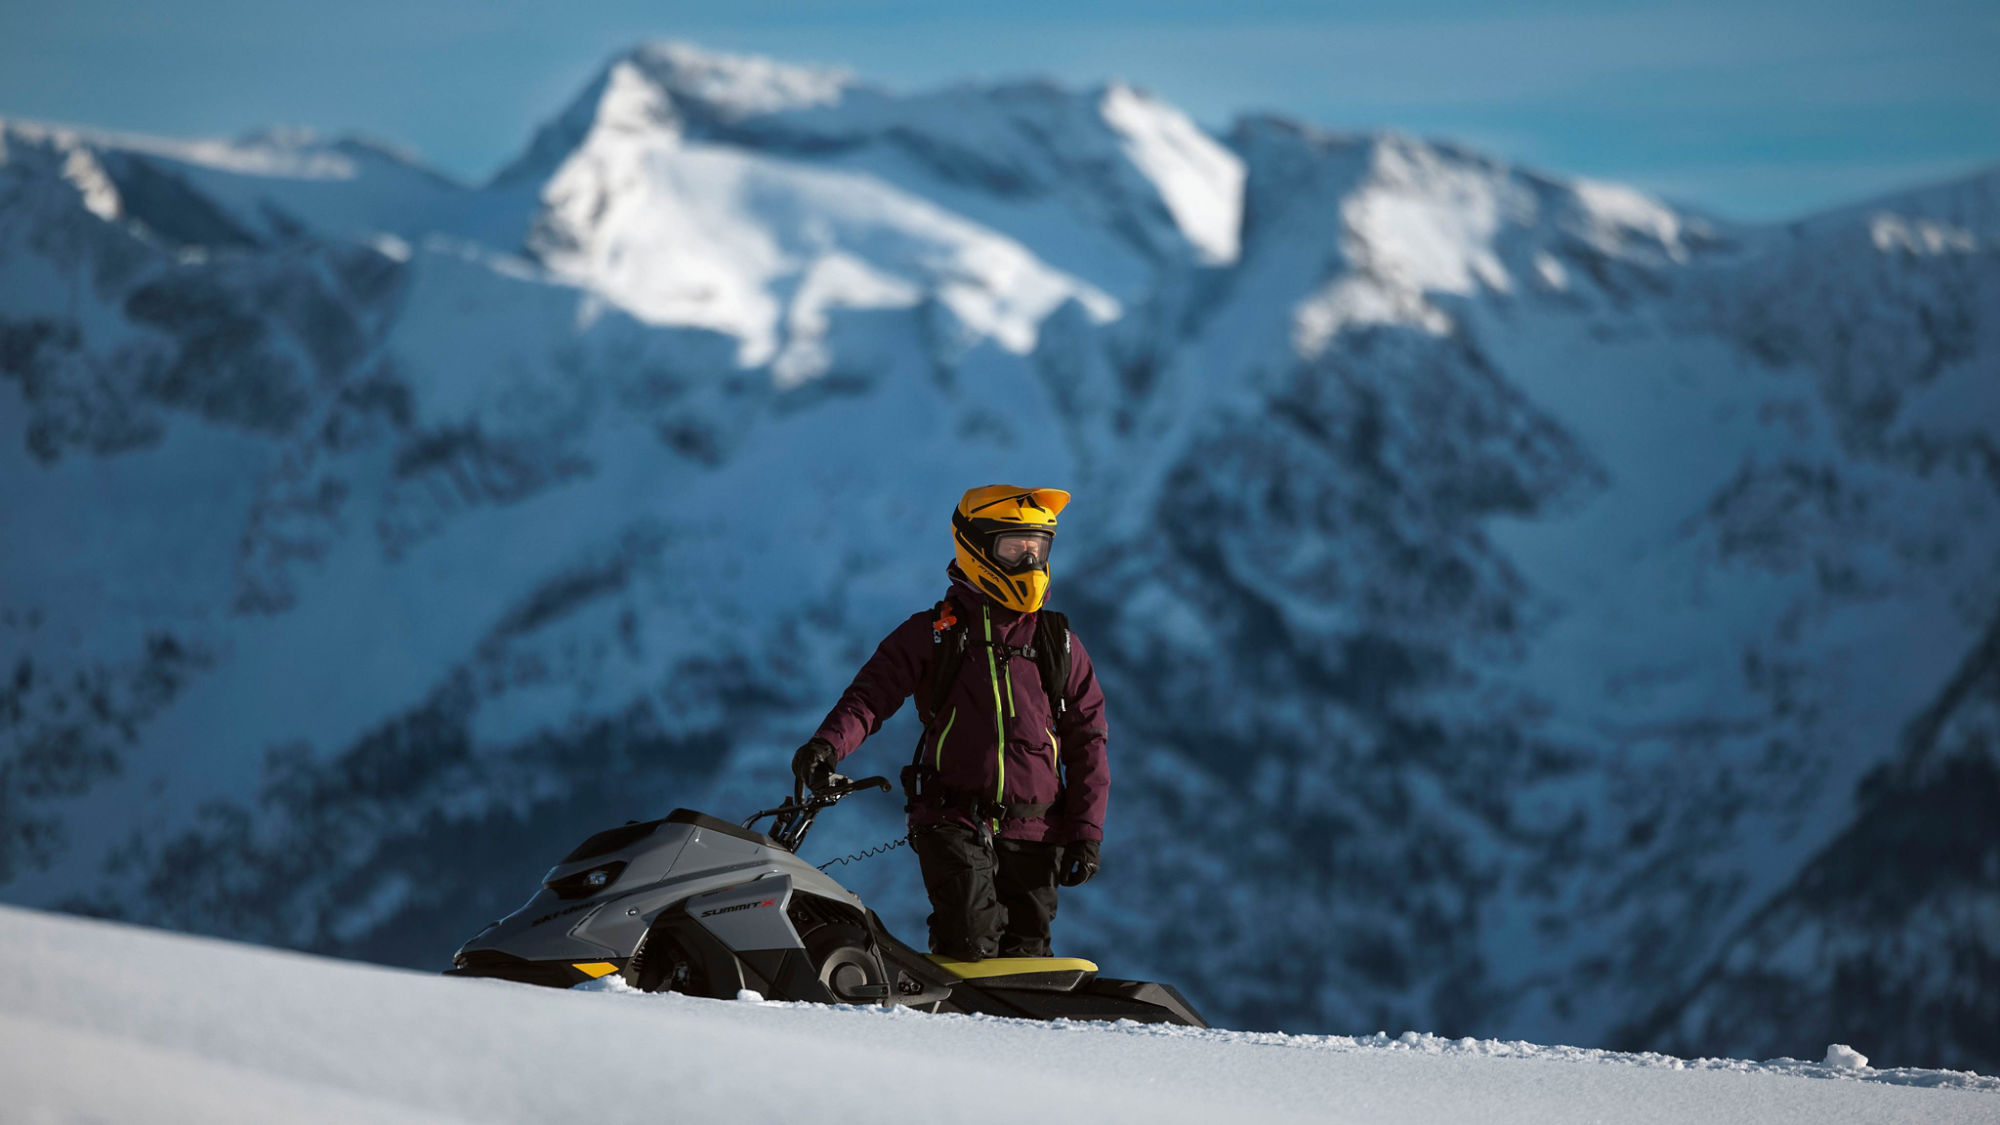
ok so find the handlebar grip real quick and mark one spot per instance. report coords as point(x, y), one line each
point(845, 786)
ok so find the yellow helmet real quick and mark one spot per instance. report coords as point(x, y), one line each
point(1002, 535)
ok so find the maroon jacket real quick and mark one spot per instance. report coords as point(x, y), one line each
point(993, 701)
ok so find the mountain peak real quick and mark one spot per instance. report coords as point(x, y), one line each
point(1958, 214)
point(1136, 181)
point(670, 85)
point(733, 87)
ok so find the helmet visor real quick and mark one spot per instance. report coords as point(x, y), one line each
point(1023, 550)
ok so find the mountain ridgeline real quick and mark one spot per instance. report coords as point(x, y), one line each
point(1527, 609)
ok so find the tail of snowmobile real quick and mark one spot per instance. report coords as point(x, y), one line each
point(1042, 988)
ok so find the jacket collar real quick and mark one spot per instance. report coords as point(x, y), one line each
point(970, 597)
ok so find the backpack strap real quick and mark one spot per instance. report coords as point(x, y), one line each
point(947, 656)
point(948, 642)
point(1051, 657)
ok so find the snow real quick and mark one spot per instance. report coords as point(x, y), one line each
point(1962, 210)
point(1614, 214)
point(681, 232)
point(1428, 222)
point(1919, 236)
point(1644, 601)
point(346, 187)
point(1200, 181)
point(738, 85)
point(100, 198)
point(298, 154)
point(100, 1021)
point(632, 103)
point(1103, 188)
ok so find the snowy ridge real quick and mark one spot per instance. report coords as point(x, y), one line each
point(691, 188)
point(1960, 215)
point(733, 87)
point(1552, 573)
point(707, 236)
point(1128, 179)
point(111, 1021)
point(270, 188)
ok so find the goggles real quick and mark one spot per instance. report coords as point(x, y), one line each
point(1023, 550)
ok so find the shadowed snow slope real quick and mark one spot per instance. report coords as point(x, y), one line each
point(109, 1022)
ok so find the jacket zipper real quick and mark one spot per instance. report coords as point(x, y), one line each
point(937, 748)
point(999, 716)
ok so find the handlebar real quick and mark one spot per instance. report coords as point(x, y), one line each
point(794, 818)
point(838, 788)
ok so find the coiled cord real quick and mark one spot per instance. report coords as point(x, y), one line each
point(868, 853)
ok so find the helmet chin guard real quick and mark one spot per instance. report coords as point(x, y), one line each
point(1014, 577)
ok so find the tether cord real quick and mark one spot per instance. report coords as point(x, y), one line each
point(868, 853)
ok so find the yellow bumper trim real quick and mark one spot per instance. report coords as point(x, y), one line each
point(1011, 966)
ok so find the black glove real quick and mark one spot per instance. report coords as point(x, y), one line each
point(1079, 863)
point(814, 762)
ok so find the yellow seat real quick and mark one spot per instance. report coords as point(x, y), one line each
point(1011, 966)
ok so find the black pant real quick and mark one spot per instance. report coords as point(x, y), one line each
point(988, 897)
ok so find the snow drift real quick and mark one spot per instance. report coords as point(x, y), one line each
point(102, 1021)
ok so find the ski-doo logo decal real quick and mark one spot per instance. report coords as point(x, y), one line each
point(550, 917)
point(739, 906)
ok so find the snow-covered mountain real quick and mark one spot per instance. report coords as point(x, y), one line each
point(106, 1022)
point(1528, 608)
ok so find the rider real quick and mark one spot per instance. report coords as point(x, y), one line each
point(1008, 790)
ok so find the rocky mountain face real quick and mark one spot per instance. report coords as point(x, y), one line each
point(1527, 609)
point(1849, 949)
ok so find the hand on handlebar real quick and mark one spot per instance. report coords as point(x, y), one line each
point(795, 815)
point(813, 764)
point(836, 786)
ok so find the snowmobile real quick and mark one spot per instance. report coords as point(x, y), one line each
point(694, 904)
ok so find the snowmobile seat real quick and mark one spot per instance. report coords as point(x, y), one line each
point(1038, 974)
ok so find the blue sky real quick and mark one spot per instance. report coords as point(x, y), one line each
point(1757, 109)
